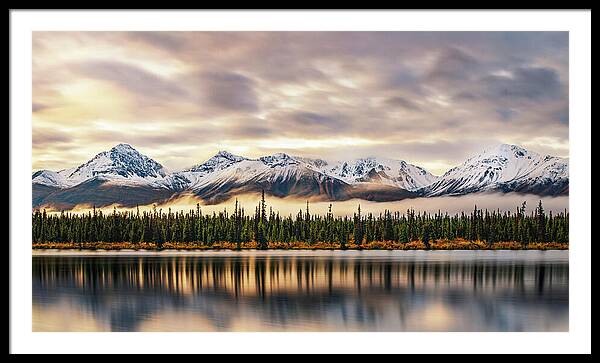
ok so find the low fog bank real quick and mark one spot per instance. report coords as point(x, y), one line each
point(286, 206)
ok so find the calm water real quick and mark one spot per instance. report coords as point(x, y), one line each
point(302, 291)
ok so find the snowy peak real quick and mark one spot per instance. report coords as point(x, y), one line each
point(121, 163)
point(390, 172)
point(278, 171)
point(49, 178)
point(192, 176)
point(227, 155)
point(123, 148)
point(498, 157)
point(315, 163)
point(506, 149)
point(219, 161)
point(503, 163)
point(504, 167)
point(279, 160)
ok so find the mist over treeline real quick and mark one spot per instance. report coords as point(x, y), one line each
point(263, 224)
point(291, 205)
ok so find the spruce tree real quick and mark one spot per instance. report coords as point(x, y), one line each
point(358, 228)
point(426, 235)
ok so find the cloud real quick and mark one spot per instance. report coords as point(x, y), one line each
point(228, 91)
point(164, 40)
point(562, 115)
point(313, 119)
point(47, 137)
point(532, 83)
point(134, 79)
point(249, 129)
point(36, 107)
point(402, 102)
point(507, 114)
point(432, 98)
point(465, 96)
point(453, 64)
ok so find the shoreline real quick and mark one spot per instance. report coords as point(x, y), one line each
point(442, 245)
point(430, 255)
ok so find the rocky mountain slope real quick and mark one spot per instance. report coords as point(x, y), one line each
point(124, 176)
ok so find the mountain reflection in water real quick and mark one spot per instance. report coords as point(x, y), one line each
point(318, 291)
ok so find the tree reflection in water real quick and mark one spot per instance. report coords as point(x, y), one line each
point(324, 292)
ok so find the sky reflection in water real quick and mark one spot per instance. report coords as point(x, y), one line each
point(303, 291)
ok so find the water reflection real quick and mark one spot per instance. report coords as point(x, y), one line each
point(321, 292)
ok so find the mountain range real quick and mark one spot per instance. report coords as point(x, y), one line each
point(124, 176)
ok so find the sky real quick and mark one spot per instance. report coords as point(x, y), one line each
point(429, 98)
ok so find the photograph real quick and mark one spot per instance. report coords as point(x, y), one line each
point(287, 181)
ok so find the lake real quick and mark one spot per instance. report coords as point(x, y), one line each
point(301, 291)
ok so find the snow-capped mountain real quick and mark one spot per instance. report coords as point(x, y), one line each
point(122, 164)
point(504, 168)
point(226, 167)
point(396, 173)
point(220, 161)
point(279, 174)
point(50, 178)
point(124, 176)
point(188, 177)
point(120, 175)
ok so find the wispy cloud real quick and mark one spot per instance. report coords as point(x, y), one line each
point(427, 97)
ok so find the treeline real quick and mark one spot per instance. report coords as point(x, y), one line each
point(264, 226)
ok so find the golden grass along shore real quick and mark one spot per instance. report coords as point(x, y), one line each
point(457, 244)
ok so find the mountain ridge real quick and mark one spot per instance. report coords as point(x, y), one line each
point(503, 168)
point(120, 173)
